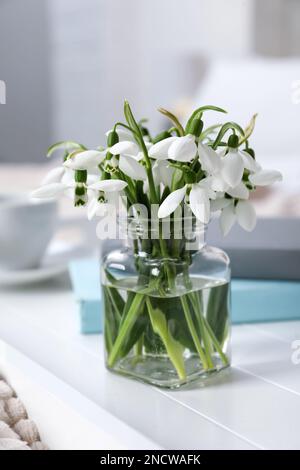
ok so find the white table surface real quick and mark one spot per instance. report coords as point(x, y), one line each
point(254, 405)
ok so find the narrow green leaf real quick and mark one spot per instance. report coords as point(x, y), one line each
point(64, 145)
point(172, 118)
point(248, 129)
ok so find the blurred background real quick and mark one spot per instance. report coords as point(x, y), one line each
point(68, 65)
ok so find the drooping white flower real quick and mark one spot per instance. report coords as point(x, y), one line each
point(233, 164)
point(111, 185)
point(109, 188)
point(162, 173)
point(209, 159)
point(49, 190)
point(232, 167)
point(211, 163)
point(160, 150)
point(53, 176)
point(183, 149)
point(126, 147)
point(243, 212)
point(132, 168)
point(171, 202)
point(85, 160)
point(130, 156)
point(200, 203)
point(199, 200)
point(265, 177)
point(240, 191)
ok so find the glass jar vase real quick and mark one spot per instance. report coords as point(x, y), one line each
point(167, 304)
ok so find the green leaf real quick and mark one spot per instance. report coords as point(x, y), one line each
point(133, 308)
point(112, 321)
point(136, 331)
point(217, 310)
point(248, 129)
point(65, 145)
point(172, 118)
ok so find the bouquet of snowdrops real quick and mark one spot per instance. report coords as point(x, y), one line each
point(165, 322)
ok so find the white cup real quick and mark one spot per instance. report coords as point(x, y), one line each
point(26, 228)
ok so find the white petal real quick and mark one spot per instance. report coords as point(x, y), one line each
point(249, 161)
point(246, 215)
point(109, 185)
point(183, 149)
point(92, 208)
point(227, 218)
point(125, 147)
point(206, 183)
point(209, 159)
point(265, 177)
point(218, 184)
point(171, 202)
point(68, 177)
point(240, 191)
point(54, 176)
point(166, 173)
point(199, 203)
point(232, 168)
point(49, 190)
point(219, 204)
point(132, 168)
point(85, 160)
point(160, 150)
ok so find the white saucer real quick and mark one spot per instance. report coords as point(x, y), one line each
point(55, 263)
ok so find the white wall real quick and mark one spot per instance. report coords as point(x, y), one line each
point(150, 52)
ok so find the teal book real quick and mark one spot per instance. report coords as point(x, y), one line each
point(253, 300)
point(85, 278)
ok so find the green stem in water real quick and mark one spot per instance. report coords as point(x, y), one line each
point(134, 311)
point(216, 343)
point(206, 341)
point(173, 347)
point(193, 332)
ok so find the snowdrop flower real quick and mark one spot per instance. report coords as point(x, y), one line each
point(49, 190)
point(162, 173)
point(180, 149)
point(199, 200)
point(130, 156)
point(233, 165)
point(211, 163)
point(243, 212)
point(265, 177)
point(54, 176)
point(85, 160)
point(160, 150)
point(99, 189)
point(183, 149)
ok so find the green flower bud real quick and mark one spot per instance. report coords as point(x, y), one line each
point(112, 138)
point(144, 131)
point(161, 136)
point(195, 127)
point(233, 141)
point(190, 176)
